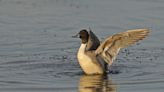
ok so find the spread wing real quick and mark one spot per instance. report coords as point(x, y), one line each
point(93, 41)
point(110, 47)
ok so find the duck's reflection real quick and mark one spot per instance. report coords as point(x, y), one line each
point(96, 83)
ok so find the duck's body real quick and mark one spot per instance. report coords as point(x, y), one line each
point(89, 62)
point(93, 56)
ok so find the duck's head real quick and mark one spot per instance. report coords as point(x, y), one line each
point(83, 35)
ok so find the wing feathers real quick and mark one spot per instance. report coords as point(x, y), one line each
point(111, 45)
point(93, 41)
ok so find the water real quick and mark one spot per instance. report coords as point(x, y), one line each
point(38, 54)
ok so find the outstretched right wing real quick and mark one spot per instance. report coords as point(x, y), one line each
point(93, 41)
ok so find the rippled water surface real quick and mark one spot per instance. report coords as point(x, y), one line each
point(37, 53)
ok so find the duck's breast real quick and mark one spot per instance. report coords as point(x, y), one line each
point(88, 63)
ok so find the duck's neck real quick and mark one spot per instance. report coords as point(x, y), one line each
point(82, 48)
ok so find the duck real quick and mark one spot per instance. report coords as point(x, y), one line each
point(95, 57)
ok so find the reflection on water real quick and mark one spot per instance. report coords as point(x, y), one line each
point(96, 83)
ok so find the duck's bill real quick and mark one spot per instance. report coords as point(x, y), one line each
point(75, 36)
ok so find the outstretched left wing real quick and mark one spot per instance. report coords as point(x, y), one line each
point(109, 49)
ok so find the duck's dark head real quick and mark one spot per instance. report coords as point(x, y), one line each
point(83, 35)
